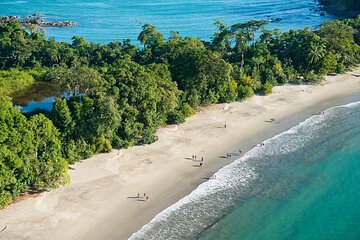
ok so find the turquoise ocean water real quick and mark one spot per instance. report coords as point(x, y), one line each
point(115, 20)
point(304, 184)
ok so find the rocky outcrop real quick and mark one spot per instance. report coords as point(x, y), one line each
point(37, 19)
point(342, 8)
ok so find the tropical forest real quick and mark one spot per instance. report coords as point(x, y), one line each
point(120, 93)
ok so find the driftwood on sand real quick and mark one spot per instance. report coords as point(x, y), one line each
point(3, 229)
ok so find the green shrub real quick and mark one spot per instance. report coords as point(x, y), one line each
point(70, 151)
point(5, 198)
point(175, 117)
point(266, 89)
point(231, 93)
point(14, 80)
point(83, 149)
point(245, 92)
point(38, 74)
point(148, 138)
point(188, 110)
point(328, 64)
point(102, 144)
point(312, 77)
point(340, 68)
point(290, 73)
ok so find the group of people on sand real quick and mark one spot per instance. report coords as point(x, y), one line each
point(230, 154)
point(201, 161)
point(144, 197)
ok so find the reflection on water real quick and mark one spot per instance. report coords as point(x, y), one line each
point(40, 95)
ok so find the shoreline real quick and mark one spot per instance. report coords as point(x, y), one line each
point(101, 202)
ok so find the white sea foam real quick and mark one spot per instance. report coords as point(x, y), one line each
point(200, 204)
point(352, 105)
point(226, 178)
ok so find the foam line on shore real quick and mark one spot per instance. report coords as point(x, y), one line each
point(101, 198)
point(240, 173)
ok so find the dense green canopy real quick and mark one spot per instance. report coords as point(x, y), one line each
point(30, 153)
point(120, 93)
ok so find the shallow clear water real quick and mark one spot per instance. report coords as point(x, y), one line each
point(303, 184)
point(114, 20)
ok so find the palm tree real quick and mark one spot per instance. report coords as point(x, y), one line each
point(315, 53)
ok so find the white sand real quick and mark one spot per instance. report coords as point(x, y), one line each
point(99, 202)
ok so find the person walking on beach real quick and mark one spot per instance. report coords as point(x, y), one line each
point(147, 198)
point(138, 196)
point(240, 152)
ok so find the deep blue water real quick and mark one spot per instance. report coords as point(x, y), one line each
point(304, 184)
point(115, 20)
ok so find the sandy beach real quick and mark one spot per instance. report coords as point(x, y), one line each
point(102, 203)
